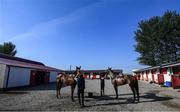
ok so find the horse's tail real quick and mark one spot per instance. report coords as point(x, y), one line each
point(137, 87)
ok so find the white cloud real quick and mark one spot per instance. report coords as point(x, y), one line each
point(38, 30)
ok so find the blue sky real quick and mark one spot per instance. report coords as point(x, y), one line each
point(92, 33)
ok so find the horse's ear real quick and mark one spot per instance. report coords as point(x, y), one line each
point(80, 67)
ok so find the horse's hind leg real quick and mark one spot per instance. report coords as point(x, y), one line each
point(137, 92)
point(60, 86)
point(116, 90)
point(57, 90)
point(137, 89)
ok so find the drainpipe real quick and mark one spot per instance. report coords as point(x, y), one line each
point(9, 68)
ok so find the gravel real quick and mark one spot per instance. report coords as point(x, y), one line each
point(43, 97)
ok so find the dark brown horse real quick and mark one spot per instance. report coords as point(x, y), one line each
point(67, 80)
point(122, 80)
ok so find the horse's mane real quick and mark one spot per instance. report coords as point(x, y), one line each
point(111, 71)
point(75, 72)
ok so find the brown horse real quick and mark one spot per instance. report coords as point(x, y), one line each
point(122, 80)
point(66, 80)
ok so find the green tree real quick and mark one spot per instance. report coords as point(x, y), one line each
point(8, 48)
point(158, 39)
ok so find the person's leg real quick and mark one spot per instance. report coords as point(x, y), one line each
point(103, 90)
point(82, 94)
point(79, 98)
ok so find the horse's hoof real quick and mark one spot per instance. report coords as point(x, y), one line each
point(58, 97)
point(133, 101)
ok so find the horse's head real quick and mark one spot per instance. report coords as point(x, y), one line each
point(109, 72)
point(77, 72)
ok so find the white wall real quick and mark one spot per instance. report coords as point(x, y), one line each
point(97, 76)
point(167, 77)
point(150, 76)
point(156, 75)
point(144, 75)
point(53, 76)
point(2, 75)
point(19, 77)
point(141, 76)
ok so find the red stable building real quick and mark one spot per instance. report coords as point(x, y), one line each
point(16, 72)
point(167, 74)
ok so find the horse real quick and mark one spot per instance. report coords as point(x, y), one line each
point(67, 80)
point(122, 80)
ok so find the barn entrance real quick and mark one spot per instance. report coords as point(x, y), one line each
point(39, 77)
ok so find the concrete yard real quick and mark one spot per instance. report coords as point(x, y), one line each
point(43, 97)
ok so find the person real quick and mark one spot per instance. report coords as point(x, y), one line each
point(102, 81)
point(81, 87)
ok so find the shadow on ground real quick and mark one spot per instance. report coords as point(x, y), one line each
point(146, 97)
point(50, 86)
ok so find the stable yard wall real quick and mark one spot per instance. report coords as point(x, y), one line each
point(19, 77)
point(53, 75)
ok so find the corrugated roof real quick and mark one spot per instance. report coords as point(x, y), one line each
point(4, 56)
point(20, 62)
point(160, 66)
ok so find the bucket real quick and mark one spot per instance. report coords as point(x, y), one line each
point(168, 84)
point(90, 95)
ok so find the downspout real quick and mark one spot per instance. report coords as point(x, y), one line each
point(7, 81)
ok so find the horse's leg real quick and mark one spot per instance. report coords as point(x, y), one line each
point(72, 91)
point(60, 85)
point(57, 89)
point(133, 90)
point(116, 92)
point(116, 89)
point(137, 89)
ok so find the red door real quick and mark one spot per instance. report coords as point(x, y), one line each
point(146, 77)
point(94, 76)
point(85, 76)
point(175, 80)
point(152, 77)
point(164, 71)
point(160, 79)
point(46, 78)
point(33, 78)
